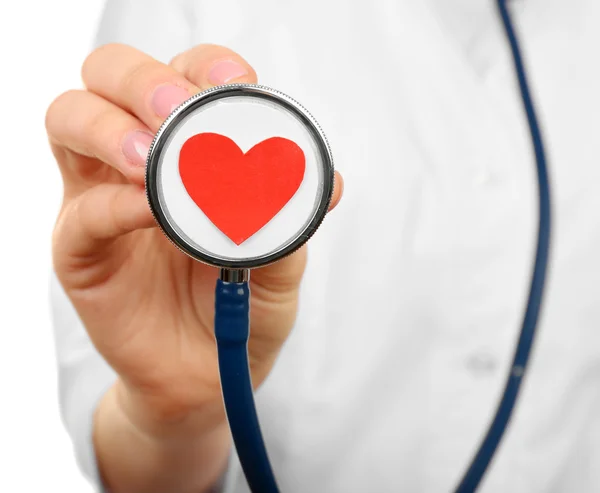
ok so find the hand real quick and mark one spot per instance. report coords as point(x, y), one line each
point(148, 308)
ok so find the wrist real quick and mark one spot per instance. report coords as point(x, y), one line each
point(167, 422)
point(136, 453)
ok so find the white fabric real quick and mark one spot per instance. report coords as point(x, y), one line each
point(416, 285)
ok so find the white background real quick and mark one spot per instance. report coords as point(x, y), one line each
point(42, 45)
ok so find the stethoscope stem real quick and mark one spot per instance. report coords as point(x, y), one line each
point(232, 331)
point(234, 275)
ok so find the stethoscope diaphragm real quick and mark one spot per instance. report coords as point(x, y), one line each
point(239, 176)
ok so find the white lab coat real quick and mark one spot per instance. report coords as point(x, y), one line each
point(416, 285)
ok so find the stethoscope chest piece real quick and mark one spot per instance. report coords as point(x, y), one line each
point(239, 176)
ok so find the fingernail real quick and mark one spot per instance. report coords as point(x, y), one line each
point(224, 71)
point(135, 147)
point(168, 97)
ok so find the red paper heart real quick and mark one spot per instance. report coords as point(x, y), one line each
point(238, 192)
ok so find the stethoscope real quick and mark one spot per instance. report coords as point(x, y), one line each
point(241, 176)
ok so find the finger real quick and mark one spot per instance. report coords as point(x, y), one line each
point(91, 126)
point(97, 217)
point(136, 82)
point(212, 65)
point(338, 191)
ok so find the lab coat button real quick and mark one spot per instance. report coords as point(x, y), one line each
point(481, 364)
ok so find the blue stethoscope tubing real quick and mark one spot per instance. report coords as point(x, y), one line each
point(490, 443)
point(232, 331)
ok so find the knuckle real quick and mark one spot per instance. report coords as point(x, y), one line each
point(196, 62)
point(56, 109)
point(83, 122)
point(218, 52)
point(211, 48)
point(178, 61)
point(140, 76)
point(202, 50)
point(96, 124)
point(104, 52)
point(92, 134)
point(57, 230)
point(58, 236)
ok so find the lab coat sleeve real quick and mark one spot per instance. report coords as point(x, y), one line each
point(83, 378)
point(162, 29)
